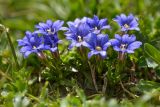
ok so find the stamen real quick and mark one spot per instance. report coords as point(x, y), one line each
point(34, 47)
point(123, 46)
point(96, 28)
point(79, 39)
point(126, 26)
point(98, 48)
point(50, 31)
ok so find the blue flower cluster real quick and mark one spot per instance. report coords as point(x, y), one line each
point(45, 37)
point(85, 32)
point(125, 43)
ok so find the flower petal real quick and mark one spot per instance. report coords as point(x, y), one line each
point(134, 45)
point(91, 39)
point(90, 54)
point(91, 22)
point(26, 54)
point(106, 45)
point(103, 54)
point(131, 39)
point(71, 45)
point(25, 48)
point(125, 38)
point(129, 51)
point(106, 27)
point(118, 37)
point(53, 49)
point(116, 48)
point(102, 22)
point(57, 25)
point(114, 42)
point(49, 22)
point(88, 45)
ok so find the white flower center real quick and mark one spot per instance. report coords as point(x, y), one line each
point(123, 46)
point(98, 48)
point(79, 39)
point(126, 26)
point(34, 47)
point(95, 28)
point(50, 31)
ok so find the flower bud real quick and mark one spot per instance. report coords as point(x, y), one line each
point(41, 56)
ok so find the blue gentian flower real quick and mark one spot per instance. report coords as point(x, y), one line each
point(125, 43)
point(77, 21)
point(97, 44)
point(127, 22)
point(31, 43)
point(97, 25)
point(76, 33)
point(51, 43)
point(49, 28)
point(49, 31)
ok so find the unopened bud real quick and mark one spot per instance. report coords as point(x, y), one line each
point(41, 56)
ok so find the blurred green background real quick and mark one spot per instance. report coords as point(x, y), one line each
point(21, 15)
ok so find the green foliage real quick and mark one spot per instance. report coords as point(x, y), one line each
point(152, 52)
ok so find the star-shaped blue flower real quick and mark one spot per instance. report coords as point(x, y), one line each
point(125, 43)
point(49, 31)
point(127, 22)
point(51, 43)
point(97, 44)
point(31, 43)
point(49, 28)
point(76, 33)
point(77, 21)
point(97, 25)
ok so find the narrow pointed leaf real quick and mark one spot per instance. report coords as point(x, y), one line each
point(152, 52)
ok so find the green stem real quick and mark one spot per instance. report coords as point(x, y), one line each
point(44, 60)
point(125, 90)
point(94, 95)
point(104, 87)
point(121, 62)
point(33, 97)
point(12, 49)
point(5, 75)
point(92, 68)
point(57, 62)
point(120, 67)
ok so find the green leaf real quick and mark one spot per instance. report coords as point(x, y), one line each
point(152, 52)
point(44, 91)
point(146, 86)
point(151, 63)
